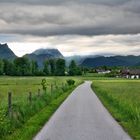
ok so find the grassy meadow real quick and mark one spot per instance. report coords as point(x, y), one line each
point(120, 96)
point(21, 86)
point(22, 108)
point(122, 99)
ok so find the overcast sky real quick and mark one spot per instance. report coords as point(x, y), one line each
point(98, 27)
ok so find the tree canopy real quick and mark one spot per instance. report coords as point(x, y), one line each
point(22, 66)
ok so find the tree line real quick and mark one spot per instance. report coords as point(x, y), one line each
point(22, 66)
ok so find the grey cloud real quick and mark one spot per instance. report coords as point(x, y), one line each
point(9, 38)
point(72, 30)
point(56, 2)
point(76, 44)
point(83, 17)
point(133, 6)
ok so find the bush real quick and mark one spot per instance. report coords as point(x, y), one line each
point(70, 82)
point(44, 85)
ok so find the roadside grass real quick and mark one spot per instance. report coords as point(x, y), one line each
point(22, 109)
point(122, 99)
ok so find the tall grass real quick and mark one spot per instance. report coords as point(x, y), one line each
point(22, 108)
point(122, 98)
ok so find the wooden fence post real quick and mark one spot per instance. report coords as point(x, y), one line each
point(62, 85)
point(55, 83)
point(30, 97)
point(10, 104)
point(66, 85)
point(38, 92)
point(55, 86)
point(51, 88)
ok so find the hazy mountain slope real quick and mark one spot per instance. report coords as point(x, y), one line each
point(41, 55)
point(111, 61)
point(49, 52)
point(6, 52)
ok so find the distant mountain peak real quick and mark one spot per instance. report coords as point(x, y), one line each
point(41, 55)
point(6, 52)
point(49, 52)
point(4, 45)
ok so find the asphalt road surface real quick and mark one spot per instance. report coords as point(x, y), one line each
point(82, 117)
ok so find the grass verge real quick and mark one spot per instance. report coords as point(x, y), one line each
point(121, 98)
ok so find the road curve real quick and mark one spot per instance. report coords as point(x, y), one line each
point(82, 117)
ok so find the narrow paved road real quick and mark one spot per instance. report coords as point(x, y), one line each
point(82, 117)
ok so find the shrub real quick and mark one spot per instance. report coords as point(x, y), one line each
point(70, 82)
point(44, 85)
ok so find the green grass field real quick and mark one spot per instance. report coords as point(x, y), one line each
point(22, 108)
point(122, 99)
point(21, 86)
point(120, 96)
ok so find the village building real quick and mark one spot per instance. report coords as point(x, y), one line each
point(102, 71)
point(133, 73)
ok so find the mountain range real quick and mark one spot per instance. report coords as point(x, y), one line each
point(129, 60)
point(41, 55)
